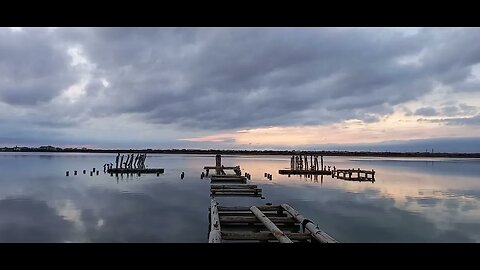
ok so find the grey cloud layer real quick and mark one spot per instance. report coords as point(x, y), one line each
point(238, 78)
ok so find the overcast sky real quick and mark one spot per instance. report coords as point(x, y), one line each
point(267, 88)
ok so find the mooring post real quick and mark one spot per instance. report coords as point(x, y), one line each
point(218, 163)
point(321, 159)
point(91, 173)
point(74, 172)
point(93, 169)
point(84, 171)
point(66, 173)
point(97, 172)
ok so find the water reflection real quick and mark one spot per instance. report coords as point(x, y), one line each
point(407, 203)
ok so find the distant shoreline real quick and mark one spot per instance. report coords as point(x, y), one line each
point(253, 152)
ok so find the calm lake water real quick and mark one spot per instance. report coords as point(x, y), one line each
point(412, 199)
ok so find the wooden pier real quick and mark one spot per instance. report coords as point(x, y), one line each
point(134, 170)
point(223, 184)
point(355, 175)
point(265, 223)
point(274, 223)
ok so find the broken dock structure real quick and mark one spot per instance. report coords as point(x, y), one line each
point(264, 223)
point(303, 164)
point(131, 165)
point(223, 184)
point(355, 175)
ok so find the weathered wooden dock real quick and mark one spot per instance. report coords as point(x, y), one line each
point(223, 184)
point(266, 223)
point(135, 170)
point(275, 223)
point(355, 175)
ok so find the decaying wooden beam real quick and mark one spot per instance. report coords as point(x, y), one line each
point(246, 219)
point(318, 234)
point(232, 186)
point(262, 236)
point(215, 235)
point(245, 208)
point(281, 237)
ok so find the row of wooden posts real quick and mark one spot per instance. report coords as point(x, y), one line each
point(299, 162)
point(138, 162)
point(67, 173)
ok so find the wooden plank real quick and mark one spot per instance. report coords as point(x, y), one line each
point(318, 234)
point(246, 219)
point(225, 168)
point(243, 208)
point(232, 186)
point(248, 190)
point(227, 182)
point(281, 237)
point(250, 214)
point(135, 170)
point(223, 181)
point(262, 236)
point(320, 172)
point(258, 227)
point(233, 194)
point(228, 176)
point(215, 235)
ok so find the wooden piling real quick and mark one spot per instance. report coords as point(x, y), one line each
point(91, 173)
point(84, 171)
point(66, 173)
point(74, 172)
point(321, 159)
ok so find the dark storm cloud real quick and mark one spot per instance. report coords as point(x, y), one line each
point(222, 78)
point(235, 78)
point(34, 67)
